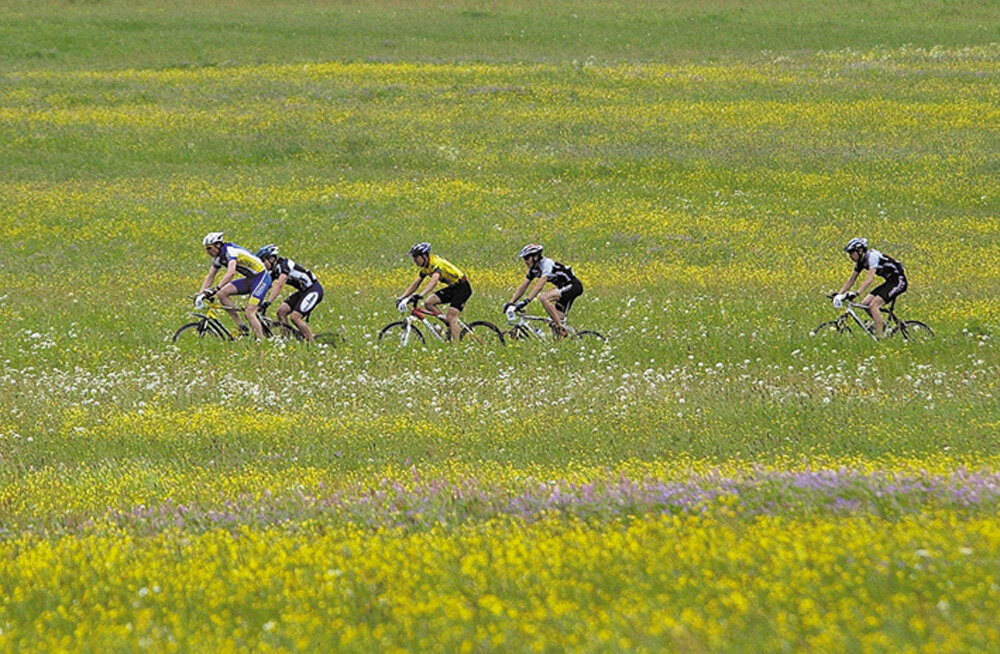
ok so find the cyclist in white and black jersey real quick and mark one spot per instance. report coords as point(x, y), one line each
point(875, 263)
point(556, 301)
point(308, 291)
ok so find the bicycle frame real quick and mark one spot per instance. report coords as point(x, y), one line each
point(421, 315)
point(209, 320)
point(892, 322)
point(523, 320)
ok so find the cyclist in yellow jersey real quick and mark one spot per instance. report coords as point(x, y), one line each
point(435, 269)
point(236, 261)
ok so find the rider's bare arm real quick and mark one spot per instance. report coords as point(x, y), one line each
point(537, 288)
point(230, 273)
point(209, 278)
point(850, 282)
point(519, 291)
point(276, 288)
point(432, 281)
point(869, 280)
point(412, 287)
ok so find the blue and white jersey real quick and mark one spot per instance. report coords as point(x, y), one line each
point(885, 267)
point(247, 263)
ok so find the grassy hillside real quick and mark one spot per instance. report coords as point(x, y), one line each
point(115, 34)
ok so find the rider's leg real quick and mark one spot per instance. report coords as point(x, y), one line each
point(261, 283)
point(432, 303)
point(254, 321)
point(548, 300)
point(224, 296)
point(874, 302)
point(282, 313)
point(453, 325)
point(302, 325)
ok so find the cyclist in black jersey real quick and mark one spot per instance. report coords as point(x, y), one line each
point(875, 263)
point(308, 291)
point(556, 301)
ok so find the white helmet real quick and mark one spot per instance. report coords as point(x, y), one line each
point(856, 244)
point(212, 238)
point(530, 249)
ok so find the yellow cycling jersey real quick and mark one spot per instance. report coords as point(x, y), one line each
point(449, 273)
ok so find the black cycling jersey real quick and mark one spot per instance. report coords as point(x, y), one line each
point(885, 267)
point(299, 277)
point(560, 275)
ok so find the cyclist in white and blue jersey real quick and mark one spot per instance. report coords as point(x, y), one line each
point(308, 291)
point(875, 263)
point(253, 280)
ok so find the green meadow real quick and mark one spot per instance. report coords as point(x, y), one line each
point(700, 164)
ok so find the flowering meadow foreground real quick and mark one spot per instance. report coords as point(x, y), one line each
point(711, 478)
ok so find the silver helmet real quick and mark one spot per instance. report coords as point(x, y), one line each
point(530, 249)
point(856, 244)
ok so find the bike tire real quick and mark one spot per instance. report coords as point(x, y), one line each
point(590, 335)
point(396, 333)
point(201, 330)
point(832, 327)
point(482, 328)
point(915, 331)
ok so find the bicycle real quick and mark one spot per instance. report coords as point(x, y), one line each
point(524, 326)
point(409, 330)
point(209, 325)
point(910, 330)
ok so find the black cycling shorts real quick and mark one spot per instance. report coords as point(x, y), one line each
point(891, 289)
point(305, 301)
point(567, 294)
point(455, 295)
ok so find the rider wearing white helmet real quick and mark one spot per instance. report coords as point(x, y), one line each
point(875, 263)
point(254, 279)
point(456, 292)
point(556, 301)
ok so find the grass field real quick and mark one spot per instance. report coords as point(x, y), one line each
point(712, 479)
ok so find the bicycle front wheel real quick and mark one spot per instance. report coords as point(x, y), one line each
point(589, 335)
point(481, 331)
point(198, 331)
point(832, 327)
point(914, 330)
point(400, 334)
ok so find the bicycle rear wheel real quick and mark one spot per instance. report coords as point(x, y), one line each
point(401, 334)
point(832, 327)
point(914, 330)
point(198, 331)
point(481, 331)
